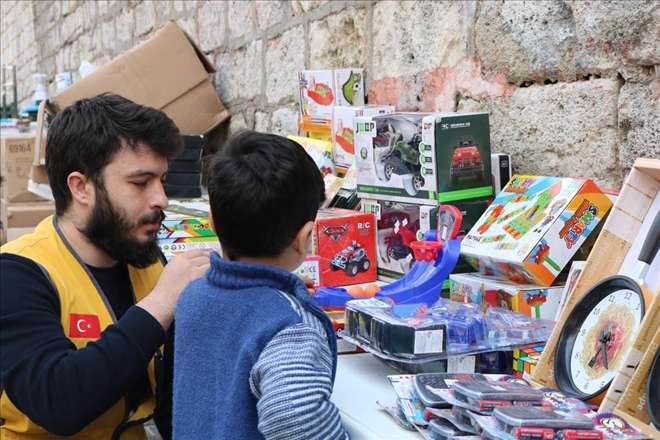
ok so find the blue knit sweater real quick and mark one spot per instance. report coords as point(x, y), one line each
point(255, 358)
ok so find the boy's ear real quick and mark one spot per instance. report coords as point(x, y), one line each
point(300, 243)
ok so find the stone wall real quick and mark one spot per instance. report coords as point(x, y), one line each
point(573, 87)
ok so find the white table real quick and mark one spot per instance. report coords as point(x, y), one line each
point(360, 382)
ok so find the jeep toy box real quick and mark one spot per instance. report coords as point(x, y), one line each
point(423, 158)
point(534, 227)
point(343, 131)
point(534, 301)
point(321, 90)
point(346, 242)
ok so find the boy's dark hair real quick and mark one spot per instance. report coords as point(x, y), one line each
point(262, 189)
point(85, 137)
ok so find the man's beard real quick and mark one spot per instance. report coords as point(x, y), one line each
point(109, 229)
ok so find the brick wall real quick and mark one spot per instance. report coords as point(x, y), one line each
point(573, 87)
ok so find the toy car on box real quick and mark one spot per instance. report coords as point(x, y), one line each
point(466, 160)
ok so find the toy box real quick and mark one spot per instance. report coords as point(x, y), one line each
point(423, 157)
point(186, 218)
point(534, 227)
point(525, 360)
point(346, 242)
point(321, 90)
point(343, 131)
point(397, 225)
point(534, 301)
point(320, 151)
point(174, 246)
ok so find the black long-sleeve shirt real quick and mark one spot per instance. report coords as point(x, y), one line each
point(58, 387)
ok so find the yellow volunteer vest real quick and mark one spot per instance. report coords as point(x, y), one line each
point(79, 295)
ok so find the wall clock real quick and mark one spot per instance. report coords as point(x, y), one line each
point(652, 389)
point(600, 329)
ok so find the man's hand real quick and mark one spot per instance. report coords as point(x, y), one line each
point(180, 271)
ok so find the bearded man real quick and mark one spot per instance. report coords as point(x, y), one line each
point(86, 300)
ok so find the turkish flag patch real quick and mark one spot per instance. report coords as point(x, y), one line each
point(84, 326)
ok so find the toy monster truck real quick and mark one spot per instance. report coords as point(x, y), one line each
point(402, 158)
point(466, 161)
point(352, 259)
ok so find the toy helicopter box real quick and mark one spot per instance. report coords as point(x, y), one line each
point(534, 301)
point(423, 158)
point(321, 90)
point(534, 227)
point(346, 242)
point(343, 131)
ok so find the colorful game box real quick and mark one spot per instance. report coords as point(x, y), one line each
point(525, 360)
point(186, 218)
point(534, 301)
point(343, 131)
point(423, 158)
point(321, 90)
point(320, 151)
point(534, 227)
point(346, 242)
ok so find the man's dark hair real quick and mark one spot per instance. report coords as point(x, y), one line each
point(85, 137)
point(262, 189)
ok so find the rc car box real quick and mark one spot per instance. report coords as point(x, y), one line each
point(534, 227)
point(168, 72)
point(321, 90)
point(534, 301)
point(346, 242)
point(343, 131)
point(423, 158)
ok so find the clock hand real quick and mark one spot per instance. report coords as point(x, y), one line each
point(592, 361)
point(604, 349)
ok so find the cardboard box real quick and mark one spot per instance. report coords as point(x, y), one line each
point(186, 218)
point(14, 233)
point(24, 215)
point(343, 131)
point(534, 227)
point(346, 242)
point(423, 158)
point(320, 151)
point(620, 232)
point(17, 155)
point(632, 405)
point(525, 361)
point(533, 301)
point(321, 90)
point(168, 72)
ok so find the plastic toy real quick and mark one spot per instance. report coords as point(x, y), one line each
point(402, 158)
point(435, 260)
point(399, 242)
point(351, 259)
point(466, 161)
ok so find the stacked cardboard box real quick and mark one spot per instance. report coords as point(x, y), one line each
point(21, 210)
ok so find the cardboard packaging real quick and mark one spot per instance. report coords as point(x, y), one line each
point(343, 131)
point(501, 168)
point(525, 360)
point(320, 151)
point(25, 215)
point(17, 155)
point(632, 404)
point(533, 301)
point(168, 72)
point(423, 158)
point(186, 218)
point(534, 227)
point(321, 90)
point(346, 242)
point(621, 232)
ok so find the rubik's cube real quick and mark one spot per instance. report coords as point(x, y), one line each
point(525, 360)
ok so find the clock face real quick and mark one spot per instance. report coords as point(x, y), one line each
point(603, 338)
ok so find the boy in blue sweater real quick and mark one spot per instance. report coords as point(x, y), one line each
point(255, 357)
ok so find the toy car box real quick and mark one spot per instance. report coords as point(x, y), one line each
point(346, 242)
point(423, 157)
point(321, 90)
point(534, 301)
point(343, 131)
point(534, 227)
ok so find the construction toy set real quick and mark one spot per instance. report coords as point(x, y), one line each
point(423, 158)
point(534, 227)
point(532, 300)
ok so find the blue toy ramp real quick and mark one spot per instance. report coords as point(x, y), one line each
point(424, 281)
